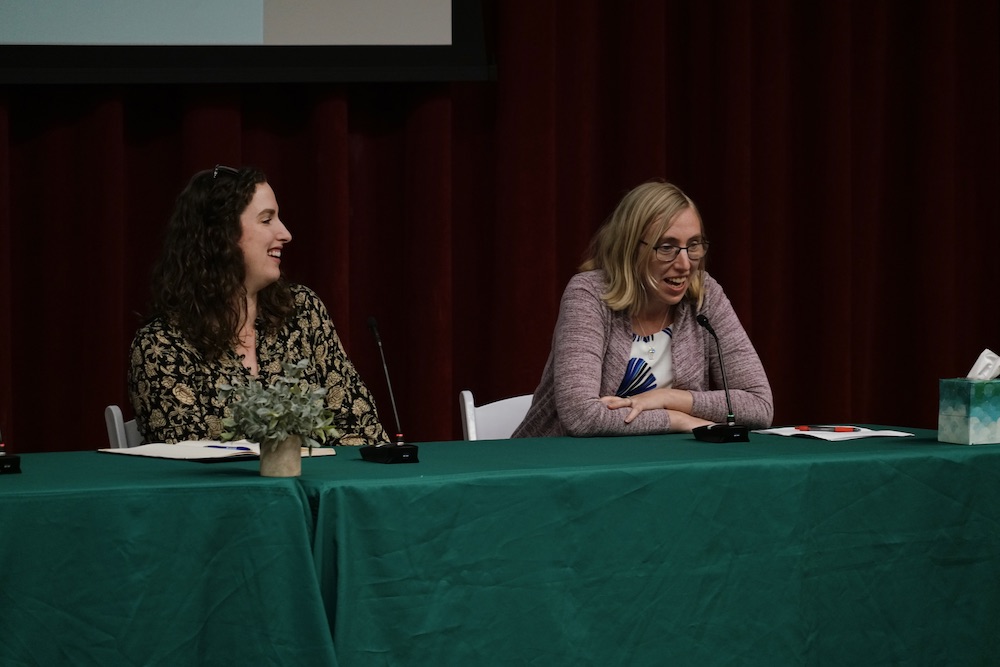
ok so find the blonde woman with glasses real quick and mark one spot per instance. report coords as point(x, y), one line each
point(628, 356)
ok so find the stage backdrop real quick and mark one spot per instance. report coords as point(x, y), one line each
point(844, 157)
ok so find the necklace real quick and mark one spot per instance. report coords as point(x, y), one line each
point(248, 338)
point(650, 349)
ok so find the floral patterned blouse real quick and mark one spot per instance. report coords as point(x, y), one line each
point(173, 391)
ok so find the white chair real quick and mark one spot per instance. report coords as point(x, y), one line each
point(493, 421)
point(121, 433)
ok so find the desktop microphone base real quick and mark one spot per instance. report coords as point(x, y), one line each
point(10, 463)
point(389, 453)
point(722, 433)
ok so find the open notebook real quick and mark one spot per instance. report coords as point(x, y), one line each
point(206, 450)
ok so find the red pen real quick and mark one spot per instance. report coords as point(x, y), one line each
point(829, 429)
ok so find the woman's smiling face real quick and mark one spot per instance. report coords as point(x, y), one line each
point(673, 278)
point(262, 239)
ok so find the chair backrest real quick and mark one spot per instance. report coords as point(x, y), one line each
point(493, 421)
point(121, 433)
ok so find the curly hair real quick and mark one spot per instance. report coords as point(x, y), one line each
point(197, 282)
point(616, 246)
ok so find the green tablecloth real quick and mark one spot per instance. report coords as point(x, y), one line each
point(664, 551)
point(603, 551)
point(112, 560)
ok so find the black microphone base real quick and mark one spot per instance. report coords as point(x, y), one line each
point(389, 453)
point(10, 463)
point(722, 433)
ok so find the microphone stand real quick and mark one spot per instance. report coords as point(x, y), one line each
point(388, 452)
point(730, 431)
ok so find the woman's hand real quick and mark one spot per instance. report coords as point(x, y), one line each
point(682, 422)
point(676, 401)
point(654, 399)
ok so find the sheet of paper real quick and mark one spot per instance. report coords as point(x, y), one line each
point(198, 450)
point(831, 435)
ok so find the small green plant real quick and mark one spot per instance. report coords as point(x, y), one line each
point(269, 415)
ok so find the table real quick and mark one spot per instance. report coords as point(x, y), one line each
point(663, 550)
point(112, 560)
point(562, 551)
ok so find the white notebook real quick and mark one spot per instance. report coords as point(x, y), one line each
point(206, 450)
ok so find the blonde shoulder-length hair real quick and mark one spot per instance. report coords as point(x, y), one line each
point(617, 249)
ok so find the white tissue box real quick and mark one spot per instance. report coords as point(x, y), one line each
point(969, 411)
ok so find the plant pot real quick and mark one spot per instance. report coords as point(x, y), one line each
point(283, 459)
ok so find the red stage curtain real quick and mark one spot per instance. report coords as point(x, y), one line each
point(844, 156)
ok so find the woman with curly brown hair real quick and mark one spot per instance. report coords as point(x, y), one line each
point(222, 312)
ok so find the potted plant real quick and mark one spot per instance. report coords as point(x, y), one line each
point(283, 417)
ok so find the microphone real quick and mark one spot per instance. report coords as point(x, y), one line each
point(730, 431)
point(388, 452)
point(373, 325)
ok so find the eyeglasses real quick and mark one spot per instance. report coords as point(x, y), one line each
point(225, 170)
point(668, 253)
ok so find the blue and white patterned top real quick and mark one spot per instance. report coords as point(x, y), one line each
point(649, 365)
